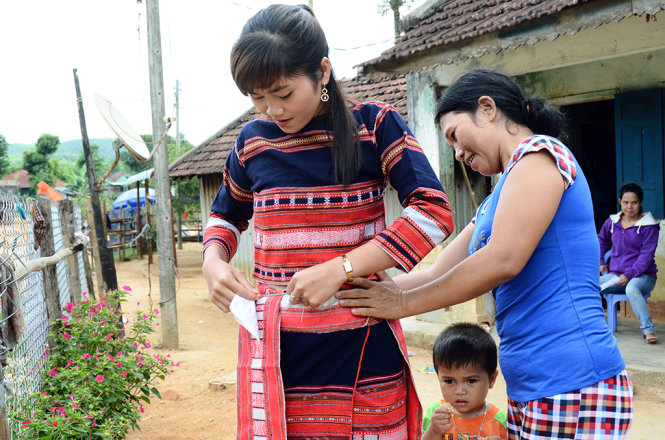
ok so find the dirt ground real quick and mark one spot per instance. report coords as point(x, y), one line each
point(193, 408)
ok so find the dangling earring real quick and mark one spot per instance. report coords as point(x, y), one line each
point(324, 94)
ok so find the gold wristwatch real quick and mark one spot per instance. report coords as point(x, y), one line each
point(347, 268)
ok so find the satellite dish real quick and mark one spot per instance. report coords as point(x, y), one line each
point(127, 136)
point(123, 129)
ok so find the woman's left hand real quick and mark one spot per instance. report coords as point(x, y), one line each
point(380, 299)
point(317, 284)
point(623, 280)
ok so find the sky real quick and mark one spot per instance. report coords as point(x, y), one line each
point(42, 41)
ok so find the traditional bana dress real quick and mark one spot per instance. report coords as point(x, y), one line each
point(325, 373)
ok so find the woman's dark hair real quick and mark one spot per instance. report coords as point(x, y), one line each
point(284, 41)
point(632, 188)
point(535, 113)
point(465, 344)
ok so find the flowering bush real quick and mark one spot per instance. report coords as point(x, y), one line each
point(94, 379)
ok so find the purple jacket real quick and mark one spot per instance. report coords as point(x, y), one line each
point(633, 249)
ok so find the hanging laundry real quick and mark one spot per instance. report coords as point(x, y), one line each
point(40, 225)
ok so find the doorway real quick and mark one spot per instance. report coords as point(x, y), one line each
point(591, 138)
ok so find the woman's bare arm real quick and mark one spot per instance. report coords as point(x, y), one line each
point(528, 201)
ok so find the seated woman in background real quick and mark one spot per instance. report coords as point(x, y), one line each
point(633, 237)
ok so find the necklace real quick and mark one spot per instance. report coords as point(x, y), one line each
point(461, 436)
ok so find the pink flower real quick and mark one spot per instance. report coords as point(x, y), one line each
point(69, 307)
point(127, 288)
point(138, 303)
point(99, 378)
point(86, 355)
point(70, 363)
point(94, 423)
point(124, 374)
point(26, 423)
point(71, 396)
point(75, 406)
point(109, 336)
point(156, 312)
point(89, 416)
point(66, 335)
point(55, 423)
point(53, 372)
point(147, 345)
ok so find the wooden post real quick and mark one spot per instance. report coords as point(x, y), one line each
point(149, 222)
point(68, 226)
point(107, 266)
point(95, 249)
point(5, 433)
point(47, 245)
point(160, 159)
point(138, 219)
point(88, 272)
point(175, 254)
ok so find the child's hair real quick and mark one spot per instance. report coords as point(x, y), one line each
point(284, 41)
point(463, 344)
point(535, 112)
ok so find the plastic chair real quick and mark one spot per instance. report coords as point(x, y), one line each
point(613, 295)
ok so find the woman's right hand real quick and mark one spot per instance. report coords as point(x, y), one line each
point(225, 281)
point(603, 269)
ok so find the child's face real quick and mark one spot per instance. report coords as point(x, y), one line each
point(466, 388)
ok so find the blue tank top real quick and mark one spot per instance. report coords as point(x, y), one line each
point(553, 335)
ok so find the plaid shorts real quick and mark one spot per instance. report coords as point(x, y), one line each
point(600, 411)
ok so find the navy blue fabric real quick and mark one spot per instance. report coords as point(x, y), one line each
point(332, 358)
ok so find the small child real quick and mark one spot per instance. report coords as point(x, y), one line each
point(465, 359)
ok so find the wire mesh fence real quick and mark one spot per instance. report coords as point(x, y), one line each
point(23, 312)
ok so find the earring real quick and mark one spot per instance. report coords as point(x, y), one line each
point(324, 95)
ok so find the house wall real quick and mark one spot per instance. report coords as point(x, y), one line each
point(586, 65)
point(244, 257)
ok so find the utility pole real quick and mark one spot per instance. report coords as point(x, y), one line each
point(162, 191)
point(177, 154)
point(105, 254)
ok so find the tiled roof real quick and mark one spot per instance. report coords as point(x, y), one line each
point(117, 175)
point(209, 157)
point(20, 176)
point(451, 21)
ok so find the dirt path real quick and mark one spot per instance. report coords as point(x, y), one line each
point(193, 409)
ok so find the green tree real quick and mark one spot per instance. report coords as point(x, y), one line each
point(100, 164)
point(38, 162)
point(4, 156)
point(394, 6)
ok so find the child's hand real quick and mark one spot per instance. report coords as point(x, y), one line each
point(441, 420)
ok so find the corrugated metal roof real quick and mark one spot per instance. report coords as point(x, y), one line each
point(209, 157)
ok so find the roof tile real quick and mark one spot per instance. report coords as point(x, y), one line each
point(457, 20)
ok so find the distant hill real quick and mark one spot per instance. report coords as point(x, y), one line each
point(67, 152)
